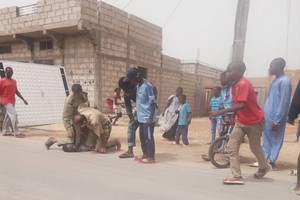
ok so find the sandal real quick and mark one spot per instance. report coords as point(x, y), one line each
point(233, 181)
point(126, 155)
point(8, 134)
point(293, 172)
point(262, 172)
point(295, 191)
point(205, 157)
point(140, 157)
point(147, 161)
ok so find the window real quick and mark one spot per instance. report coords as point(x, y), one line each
point(45, 62)
point(45, 45)
point(5, 48)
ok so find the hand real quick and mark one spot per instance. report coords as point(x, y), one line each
point(149, 122)
point(290, 121)
point(275, 127)
point(131, 118)
point(25, 102)
point(214, 113)
point(232, 121)
point(70, 135)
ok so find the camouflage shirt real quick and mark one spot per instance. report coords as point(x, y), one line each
point(71, 109)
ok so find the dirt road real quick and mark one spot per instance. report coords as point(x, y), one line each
point(199, 136)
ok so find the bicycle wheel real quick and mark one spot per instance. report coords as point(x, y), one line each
point(218, 154)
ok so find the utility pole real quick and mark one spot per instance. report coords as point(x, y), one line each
point(240, 29)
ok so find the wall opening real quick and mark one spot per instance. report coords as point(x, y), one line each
point(5, 48)
point(46, 44)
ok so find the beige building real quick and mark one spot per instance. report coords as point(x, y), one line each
point(262, 85)
point(96, 43)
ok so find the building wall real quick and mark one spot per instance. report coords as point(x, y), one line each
point(50, 13)
point(79, 62)
point(19, 53)
point(261, 85)
point(97, 43)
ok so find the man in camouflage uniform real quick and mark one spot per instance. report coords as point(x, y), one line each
point(99, 126)
point(70, 111)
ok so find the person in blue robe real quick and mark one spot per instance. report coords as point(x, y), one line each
point(276, 110)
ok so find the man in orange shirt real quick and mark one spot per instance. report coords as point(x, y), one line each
point(8, 90)
point(250, 120)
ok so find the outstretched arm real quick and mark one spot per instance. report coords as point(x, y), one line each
point(234, 108)
point(21, 97)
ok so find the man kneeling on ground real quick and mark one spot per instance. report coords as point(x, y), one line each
point(100, 126)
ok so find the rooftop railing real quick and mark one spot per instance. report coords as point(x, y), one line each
point(27, 10)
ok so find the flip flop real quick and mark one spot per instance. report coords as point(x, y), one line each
point(126, 155)
point(295, 191)
point(205, 157)
point(147, 161)
point(8, 134)
point(233, 181)
point(139, 157)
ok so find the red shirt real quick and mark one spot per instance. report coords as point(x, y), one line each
point(243, 91)
point(8, 89)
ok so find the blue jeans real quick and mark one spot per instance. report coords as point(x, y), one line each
point(147, 140)
point(131, 133)
point(215, 124)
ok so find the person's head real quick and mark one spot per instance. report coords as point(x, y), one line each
point(179, 91)
point(126, 87)
point(117, 90)
point(79, 118)
point(236, 70)
point(182, 98)
point(132, 76)
point(76, 89)
point(9, 72)
point(216, 91)
point(224, 78)
point(277, 66)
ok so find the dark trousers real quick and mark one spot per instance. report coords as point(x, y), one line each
point(147, 140)
point(182, 130)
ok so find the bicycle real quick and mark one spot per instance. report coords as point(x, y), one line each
point(218, 154)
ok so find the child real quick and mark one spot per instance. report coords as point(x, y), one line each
point(185, 116)
point(226, 102)
point(215, 121)
point(250, 119)
point(118, 104)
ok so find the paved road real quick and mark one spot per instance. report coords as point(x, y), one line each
point(28, 172)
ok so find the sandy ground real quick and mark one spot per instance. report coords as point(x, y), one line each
point(199, 136)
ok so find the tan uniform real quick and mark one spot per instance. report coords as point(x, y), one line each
point(97, 122)
point(70, 110)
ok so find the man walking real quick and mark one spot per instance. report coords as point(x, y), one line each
point(250, 119)
point(8, 90)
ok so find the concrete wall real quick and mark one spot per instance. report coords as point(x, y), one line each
point(97, 43)
point(50, 13)
point(79, 62)
point(262, 85)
